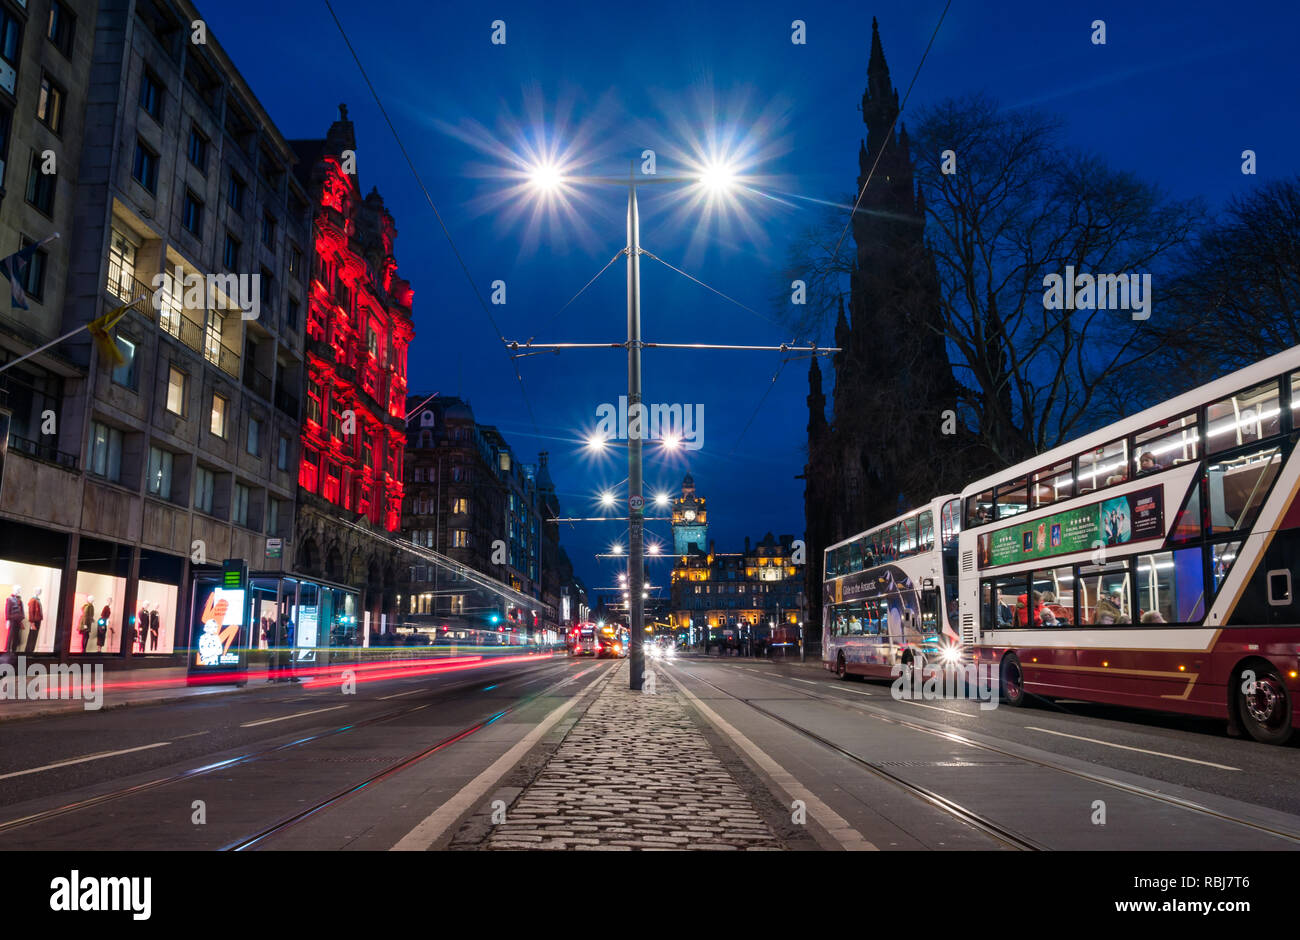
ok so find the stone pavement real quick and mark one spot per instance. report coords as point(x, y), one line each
point(634, 772)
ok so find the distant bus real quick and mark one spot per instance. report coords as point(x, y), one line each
point(889, 594)
point(1151, 563)
point(591, 639)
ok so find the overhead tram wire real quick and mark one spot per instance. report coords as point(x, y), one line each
point(620, 253)
point(691, 277)
point(870, 174)
point(438, 215)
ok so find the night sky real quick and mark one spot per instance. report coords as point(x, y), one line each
point(1178, 91)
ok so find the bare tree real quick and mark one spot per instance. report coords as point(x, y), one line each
point(1021, 204)
point(1237, 299)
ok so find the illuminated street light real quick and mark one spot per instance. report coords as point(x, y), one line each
point(718, 178)
point(661, 499)
point(596, 443)
point(669, 442)
point(654, 549)
point(616, 549)
point(607, 498)
point(545, 177)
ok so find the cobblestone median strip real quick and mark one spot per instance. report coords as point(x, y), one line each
point(634, 773)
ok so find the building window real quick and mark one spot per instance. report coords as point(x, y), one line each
point(6, 121)
point(205, 484)
point(273, 512)
point(105, 451)
point(192, 213)
point(49, 105)
point(460, 505)
point(239, 513)
point(235, 193)
point(151, 95)
point(121, 266)
point(313, 402)
point(231, 256)
point(33, 278)
point(198, 149)
point(295, 261)
point(159, 482)
point(459, 538)
point(372, 341)
point(291, 314)
point(61, 27)
point(217, 425)
point(144, 169)
point(268, 231)
point(177, 382)
point(40, 186)
point(212, 332)
point(255, 437)
point(125, 374)
point(282, 454)
point(266, 285)
point(11, 40)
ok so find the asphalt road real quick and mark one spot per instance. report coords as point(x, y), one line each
point(1036, 771)
point(250, 760)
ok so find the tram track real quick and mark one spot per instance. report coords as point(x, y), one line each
point(261, 834)
point(980, 821)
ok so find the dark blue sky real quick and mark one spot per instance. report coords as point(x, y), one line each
point(1178, 91)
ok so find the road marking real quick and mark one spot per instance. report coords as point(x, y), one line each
point(938, 708)
point(839, 828)
point(804, 681)
point(81, 760)
point(269, 721)
point(1141, 750)
point(433, 826)
point(399, 694)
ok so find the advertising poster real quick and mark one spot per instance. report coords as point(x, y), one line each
point(218, 640)
point(1133, 517)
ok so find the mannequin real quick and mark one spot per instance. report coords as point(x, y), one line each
point(35, 616)
point(153, 628)
point(87, 622)
point(105, 615)
point(14, 612)
point(142, 626)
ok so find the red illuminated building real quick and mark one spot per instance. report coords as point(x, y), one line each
point(358, 330)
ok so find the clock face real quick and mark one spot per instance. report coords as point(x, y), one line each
point(690, 515)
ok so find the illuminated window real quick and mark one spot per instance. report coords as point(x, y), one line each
point(176, 389)
point(217, 423)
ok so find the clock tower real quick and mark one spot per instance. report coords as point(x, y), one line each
point(690, 520)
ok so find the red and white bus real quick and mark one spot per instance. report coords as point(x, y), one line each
point(1152, 563)
point(889, 592)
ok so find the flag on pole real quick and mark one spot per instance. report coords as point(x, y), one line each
point(15, 268)
point(101, 329)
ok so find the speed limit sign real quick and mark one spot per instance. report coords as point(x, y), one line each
point(637, 502)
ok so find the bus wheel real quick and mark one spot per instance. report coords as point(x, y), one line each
point(1265, 711)
point(1012, 690)
point(841, 668)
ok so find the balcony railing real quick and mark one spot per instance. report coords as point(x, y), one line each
point(172, 317)
point(43, 452)
point(286, 402)
point(258, 382)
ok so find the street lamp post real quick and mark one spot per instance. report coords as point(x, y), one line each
point(635, 503)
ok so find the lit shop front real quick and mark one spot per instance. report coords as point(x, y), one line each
point(31, 573)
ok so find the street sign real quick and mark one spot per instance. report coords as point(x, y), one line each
point(274, 548)
point(637, 503)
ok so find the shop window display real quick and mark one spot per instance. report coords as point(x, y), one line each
point(155, 619)
point(97, 613)
point(33, 596)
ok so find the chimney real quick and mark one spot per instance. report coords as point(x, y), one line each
point(747, 545)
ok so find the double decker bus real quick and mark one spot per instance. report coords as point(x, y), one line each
point(1150, 563)
point(889, 594)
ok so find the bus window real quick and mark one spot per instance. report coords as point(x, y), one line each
point(1174, 442)
point(950, 522)
point(1013, 498)
point(1238, 488)
point(1053, 484)
point(1053, 591)
point(907, 537)
point(998, 599)
point(1104, 466)
point(1170, 588)
point(1221, 558)
point(1243, 418)
point(1104, 595)
point(927, 531)
point(979, 509)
